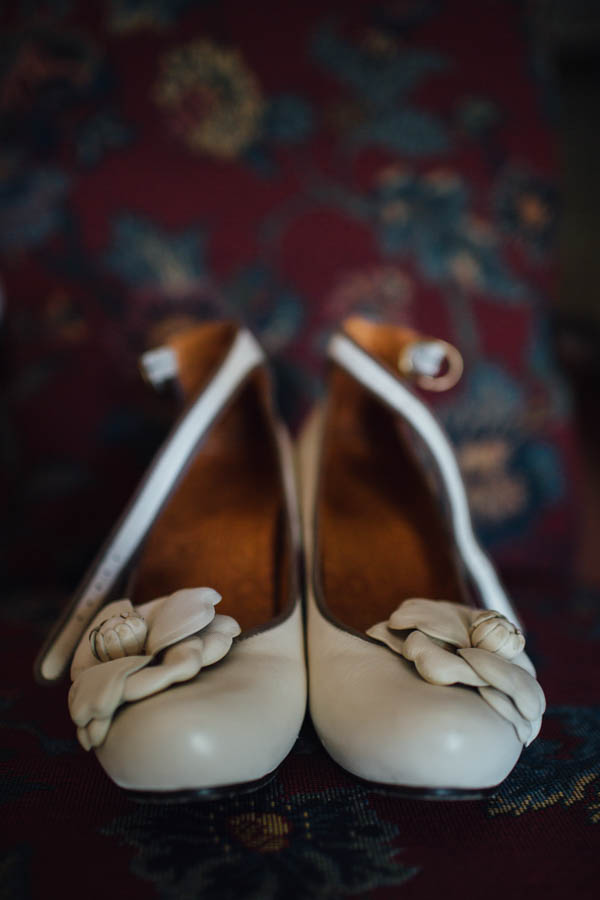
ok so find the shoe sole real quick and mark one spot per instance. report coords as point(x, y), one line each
point(449, 795)
point(402, 792)
point(200, 795)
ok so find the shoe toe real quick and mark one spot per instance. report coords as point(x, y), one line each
point(382, 722)
point(233, 724)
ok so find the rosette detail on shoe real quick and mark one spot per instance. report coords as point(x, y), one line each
point(450, 643)
point(130, 653)
point(123, 635)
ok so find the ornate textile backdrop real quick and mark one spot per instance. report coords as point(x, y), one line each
point(287, 164)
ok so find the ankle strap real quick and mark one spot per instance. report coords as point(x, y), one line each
point(244, 355)
point(380, 379)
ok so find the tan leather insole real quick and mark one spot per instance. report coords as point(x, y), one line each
point(222, 527)
point(381, 535)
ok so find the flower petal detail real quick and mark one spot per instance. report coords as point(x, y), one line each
point(512, 680)
point(436, 665)
point(218, 637)
point(183, 635)
point(451, 643)
point(97, 730)
point(118, 636)
point(492, 631)
point(226, 625)
point(84, 738)
point(182, 614)
point(84, 658)
point(98, 692)
point(535, 730)
point(180, 663)
point(506, 708)
point(448, 622)
point(382, 633)
point(521, 659)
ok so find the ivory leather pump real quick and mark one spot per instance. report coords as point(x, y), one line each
point(195, 682)
point(418, 678)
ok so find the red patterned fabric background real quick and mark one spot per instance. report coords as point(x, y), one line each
point(165, 161)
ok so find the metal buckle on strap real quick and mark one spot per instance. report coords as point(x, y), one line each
point(433, 364)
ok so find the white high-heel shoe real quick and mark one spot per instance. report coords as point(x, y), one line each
point(414, 682)
point(172, 695)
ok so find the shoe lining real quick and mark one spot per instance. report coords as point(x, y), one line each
point(224, 524)
point(381, 533)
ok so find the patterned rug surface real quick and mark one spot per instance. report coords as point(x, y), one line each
point(164, 161)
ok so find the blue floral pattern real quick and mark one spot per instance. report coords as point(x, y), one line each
point(126, 16)
point(100, 133)
point(263, 841)
point(142, 253)
point(270, 308)
point(382, 76)
point(288, 119)
point(31, 207)
point(48, 73)
point(429, 217)
point(563, 771)
point(526, 207)
point(509, 474)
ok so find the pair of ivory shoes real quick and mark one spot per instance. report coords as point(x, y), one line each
point(197, 681)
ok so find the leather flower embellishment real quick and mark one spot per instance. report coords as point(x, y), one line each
point(492, 631)
point(122, 635)
point(130, 653)
point(449, 643)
